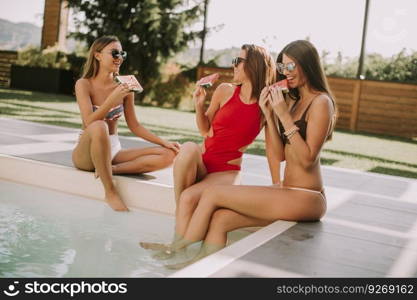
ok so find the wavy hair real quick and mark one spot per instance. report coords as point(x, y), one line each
point(307, 59)
point(91, 66)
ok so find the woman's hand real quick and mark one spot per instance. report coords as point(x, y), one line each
point(119, 93)
point(199, 96)
point(173, 146)
point(277, 101)
point(264, 100)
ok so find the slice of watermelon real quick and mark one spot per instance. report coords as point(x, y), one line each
point(208, 81)
point(131, 81)
point(282, 84)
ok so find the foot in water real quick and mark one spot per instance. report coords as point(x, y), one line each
point(160, 246)
point(179, 247)
point(154, 246)
point(113, 199)
point(166, 254)
point(206, 250)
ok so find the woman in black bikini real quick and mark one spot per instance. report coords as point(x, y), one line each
point(102, 102)
point(306, 121)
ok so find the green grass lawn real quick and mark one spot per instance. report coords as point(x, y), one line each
point(366, 152)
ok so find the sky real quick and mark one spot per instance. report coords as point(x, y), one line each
point(332, 25)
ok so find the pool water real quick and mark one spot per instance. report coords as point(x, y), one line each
point(44, 233)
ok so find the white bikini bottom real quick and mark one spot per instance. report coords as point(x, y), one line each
point(321, 193)
point(115, 145)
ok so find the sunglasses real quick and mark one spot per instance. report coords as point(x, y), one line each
point(281, 67)
point(237, 60)
point(118, 54)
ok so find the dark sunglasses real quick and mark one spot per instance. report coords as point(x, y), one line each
point(237, 60)
point(290, 67)
point(118, 54)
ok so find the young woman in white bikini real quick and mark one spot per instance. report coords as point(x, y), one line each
point(305, 122)
point(102, 102)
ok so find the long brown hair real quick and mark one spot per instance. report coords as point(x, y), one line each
point(307, 59)
point(259, 67)
point(91, 66)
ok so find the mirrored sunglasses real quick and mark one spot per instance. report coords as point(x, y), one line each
point(289, 66)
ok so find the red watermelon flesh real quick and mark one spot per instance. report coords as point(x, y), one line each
point(282, 84)
point(208, 81)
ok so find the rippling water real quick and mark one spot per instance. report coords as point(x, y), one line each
point(49, 234)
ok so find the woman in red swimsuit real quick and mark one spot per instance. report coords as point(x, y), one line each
point(230, 124)
point(306, 120)
point(102, 102)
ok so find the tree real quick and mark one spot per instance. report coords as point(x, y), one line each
point(151, 31)
point(203, 33)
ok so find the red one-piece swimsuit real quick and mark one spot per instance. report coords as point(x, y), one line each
point(235, 125)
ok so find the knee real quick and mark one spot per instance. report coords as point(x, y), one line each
point(167, 156)
point(209, 196)
point(98, 128)
point(187, 202)
point(188, 153)
point(220, 220)
point(189, 148)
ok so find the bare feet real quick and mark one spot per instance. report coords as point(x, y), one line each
point(154, 246)
point(206, 250)
point(115, 202)
point(165, 254)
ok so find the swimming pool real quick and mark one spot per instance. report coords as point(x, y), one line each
point(45, 233)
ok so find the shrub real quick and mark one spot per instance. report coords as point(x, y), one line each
point(51, 57)
point(175, 92)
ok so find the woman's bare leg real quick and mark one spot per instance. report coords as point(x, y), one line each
point(141, 160)
point(188, 202)
point(190, 197)
point(266, 203)
point(222, 222)
point(188, 168)
point(93, 152)
point(225, 220)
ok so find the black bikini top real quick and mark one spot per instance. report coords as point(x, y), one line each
point(301, 124)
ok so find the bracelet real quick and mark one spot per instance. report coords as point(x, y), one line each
point(291, 135)
point(291, 131)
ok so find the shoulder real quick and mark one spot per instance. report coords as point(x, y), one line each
point(224, 87)
point(82, 83)
point(224, 91)
point(322, 101)
point(322, 104)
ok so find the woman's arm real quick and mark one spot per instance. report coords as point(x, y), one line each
point(273, 145)
point(204, 119)
point(274, 150)
point(140, 131)
point(82, 93)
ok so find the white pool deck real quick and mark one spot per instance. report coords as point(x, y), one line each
point(370, 229)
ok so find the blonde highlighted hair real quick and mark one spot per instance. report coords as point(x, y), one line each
point(91, 66)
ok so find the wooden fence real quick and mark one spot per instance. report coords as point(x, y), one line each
point(7, 58)
point(364, 105)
